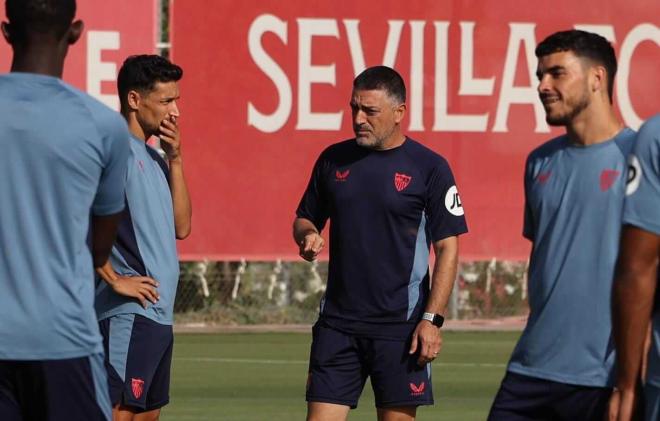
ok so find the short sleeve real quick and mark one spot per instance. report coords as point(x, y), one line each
point(444, 209)
point(112, 185)
point(642, 205)
point(314, 202)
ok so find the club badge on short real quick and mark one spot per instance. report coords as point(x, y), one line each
point(137, 385)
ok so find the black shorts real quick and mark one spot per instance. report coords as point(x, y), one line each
point(524, 398)
point(340, 364)
point(138, 359)
point(74, 389)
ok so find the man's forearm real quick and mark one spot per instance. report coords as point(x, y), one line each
point(444, 274)
point(104, 231)
point(180, 200)
point(633, 303)
point(632, 300)
point(301, 228)
point(107, 273)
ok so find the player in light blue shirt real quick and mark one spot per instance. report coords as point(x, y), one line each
point(136, 288)
point(63, 159)
point(635, 297)
point(562, 366)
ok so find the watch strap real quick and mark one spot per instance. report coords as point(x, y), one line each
point(436, 319)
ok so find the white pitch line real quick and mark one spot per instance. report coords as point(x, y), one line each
point(240, 360)
point(304, 362)
point(479, 342)
point(495, 365)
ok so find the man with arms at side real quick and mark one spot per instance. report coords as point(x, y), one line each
point(136, 288)
point(562, 366)
point(63, 157)
point(388, 199)
point(635, 298)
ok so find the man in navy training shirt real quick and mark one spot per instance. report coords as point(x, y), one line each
point(64, 157)
point(562, 366)
point(636, 302)
point(136, 288)
point(388, 199)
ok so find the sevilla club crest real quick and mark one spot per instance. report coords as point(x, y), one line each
point(607, 179)
point(137, 385)
point(401, 181)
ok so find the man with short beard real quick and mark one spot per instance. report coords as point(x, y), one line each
point(562, 366)
point(136, 288)
point(388, 199)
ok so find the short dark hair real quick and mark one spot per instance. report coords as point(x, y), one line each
point(583, 44)
point(384, 78)
point(142, 72)
point(52, 17)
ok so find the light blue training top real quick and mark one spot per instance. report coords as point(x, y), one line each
point(62, 155)
point(642, 209)
point(146, 241)
point(574, 203)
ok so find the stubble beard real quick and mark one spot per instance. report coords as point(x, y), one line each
point(374, 142)
point(575, 108)
point(369, 142)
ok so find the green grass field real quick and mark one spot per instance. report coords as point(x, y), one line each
point(261, 377)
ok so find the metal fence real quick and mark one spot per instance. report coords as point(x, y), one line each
point(289, 292)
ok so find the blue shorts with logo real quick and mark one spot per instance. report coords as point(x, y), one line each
point(73, 389)
point(525, 398)
point(138, 359)
point(340, 364)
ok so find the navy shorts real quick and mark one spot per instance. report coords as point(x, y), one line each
point(74, 389)
point(340, 364)
point(651, 402)
point(138, 359)
point(524, 398)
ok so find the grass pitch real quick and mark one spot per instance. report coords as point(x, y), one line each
point(261, 377)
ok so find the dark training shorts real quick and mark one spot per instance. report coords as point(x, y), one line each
point(524, 398)
point(138, 359)
point(651, 402)
point(74, 389)
point(340, 364)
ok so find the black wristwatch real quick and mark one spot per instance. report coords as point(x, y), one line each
point(436, 319)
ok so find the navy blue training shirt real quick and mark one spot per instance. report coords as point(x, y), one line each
point(386, 208)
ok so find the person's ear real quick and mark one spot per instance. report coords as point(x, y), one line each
point(133, 100)
point(399, 112)
point(75, 32)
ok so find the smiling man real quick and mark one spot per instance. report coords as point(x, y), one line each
point(136, 288)
point(388, 199)
point(562, 367)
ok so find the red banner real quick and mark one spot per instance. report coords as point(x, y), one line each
point(113, 30)
point(267, 86)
